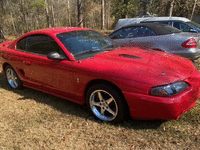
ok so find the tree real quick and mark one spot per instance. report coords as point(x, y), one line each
point(143, 5)
point(124, 9)
point(171, 8)
point(20, 16)
point(195, 2)
point(103, 15)
point(47, 14)
point(79, 9)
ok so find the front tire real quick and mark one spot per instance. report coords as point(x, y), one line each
point(12, 78)
point(106, 103)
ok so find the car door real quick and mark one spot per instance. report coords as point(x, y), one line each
point(43, 73)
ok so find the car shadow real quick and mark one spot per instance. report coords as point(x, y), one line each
point(72, 108)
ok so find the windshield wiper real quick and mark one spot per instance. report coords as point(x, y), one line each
point(110, 47)
point(107, 48)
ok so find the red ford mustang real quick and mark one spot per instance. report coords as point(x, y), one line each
point(83, 66)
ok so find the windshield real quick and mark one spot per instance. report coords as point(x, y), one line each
point(194, 24)
point(85, 42)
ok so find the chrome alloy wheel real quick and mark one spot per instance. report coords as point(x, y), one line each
point(103, 105)
point(12, 78)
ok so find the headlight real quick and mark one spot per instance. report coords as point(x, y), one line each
point(169, 89)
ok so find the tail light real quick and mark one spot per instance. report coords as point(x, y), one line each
point(191, 43)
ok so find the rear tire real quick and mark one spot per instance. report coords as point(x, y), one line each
point(12, 78)
point(106, 103)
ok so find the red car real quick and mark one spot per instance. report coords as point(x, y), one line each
point(83, 66)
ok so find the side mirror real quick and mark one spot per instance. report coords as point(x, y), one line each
point(55, 56)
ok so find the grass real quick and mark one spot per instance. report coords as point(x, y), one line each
point(8, 38)
point(30, 119)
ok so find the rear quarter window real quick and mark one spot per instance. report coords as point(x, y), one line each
point(21, 45)
point(121, 33)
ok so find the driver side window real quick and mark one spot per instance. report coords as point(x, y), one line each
point(39, 44)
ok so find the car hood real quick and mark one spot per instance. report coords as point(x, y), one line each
point(147, 66)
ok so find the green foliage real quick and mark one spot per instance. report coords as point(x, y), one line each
point(132, 8)
point(20, 16)
point(124, 8)
point(37, 4)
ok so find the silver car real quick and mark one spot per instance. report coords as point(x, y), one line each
point(180, 23)
point(159, 37)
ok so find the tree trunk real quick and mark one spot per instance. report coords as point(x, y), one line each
point(13, 23)
point(171, 8)
point(53, 18)
point(143, 6)
point(2, 8)
point(47, 14)
point(23, 11)
point(1, 14)
point(108, 15)
point(103, 15)
point(69, 15)
point(79, 8)
point(125, 4)
point(195, 2)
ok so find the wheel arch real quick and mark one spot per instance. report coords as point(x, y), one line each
point(5, 65)
point(100, 81)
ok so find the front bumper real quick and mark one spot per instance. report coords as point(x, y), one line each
point(151, 107)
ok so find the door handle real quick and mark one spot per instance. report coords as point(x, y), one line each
point(27, 62)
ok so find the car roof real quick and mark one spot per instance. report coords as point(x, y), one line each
point(127, 21)
point(53, 31)
point(49, 31)
point(159, 29)
point(57, 30)
point(166, 18)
